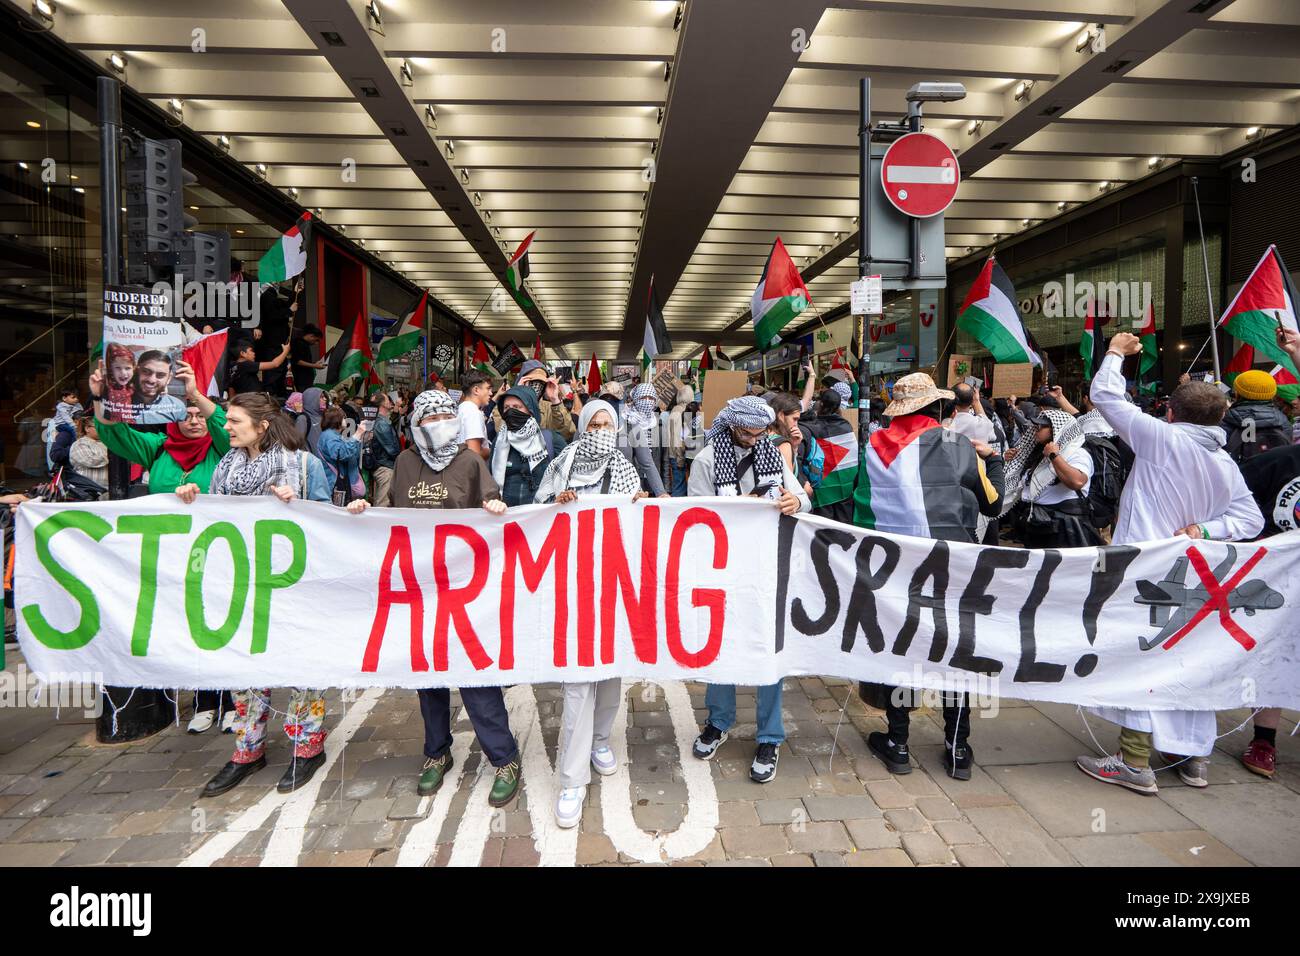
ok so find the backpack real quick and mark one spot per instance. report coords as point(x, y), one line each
point(1267, 437)
point(1109, 473)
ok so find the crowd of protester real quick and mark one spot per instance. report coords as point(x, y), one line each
point(1037, 472)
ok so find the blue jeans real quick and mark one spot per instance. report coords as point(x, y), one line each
point(677, 479)
point(721, 701)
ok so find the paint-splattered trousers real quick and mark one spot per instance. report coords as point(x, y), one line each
point(303, 723)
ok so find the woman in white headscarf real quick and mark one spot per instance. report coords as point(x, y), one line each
point(591, 465)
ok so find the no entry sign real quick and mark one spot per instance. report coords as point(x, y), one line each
point(919, 174)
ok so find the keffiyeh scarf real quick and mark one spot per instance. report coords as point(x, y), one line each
point(747, 411)
point(237, 474)
point(1068, 436)
point(430, 440)
point(1093, 424)
point(581, 467)
point(527, 441)
point(845, 391)
point(639, 411)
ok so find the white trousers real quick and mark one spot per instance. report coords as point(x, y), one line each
point(589, 711)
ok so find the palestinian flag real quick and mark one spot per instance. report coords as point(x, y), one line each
point(537, 348)
point(404, 335)
point(779, 296)
point(706, 360)
point(656, 341)
point(1243, 361)
point(904, 480)
point(351, 357)
point(1091, 348)
point(989, 315)
point(1288, 386)
point(482, 361)
point(288, 257)
point(593, 377)
point(517, 270)
point(839, 448)
point(1266, 299)
point(207, 356)
point(1150, 355)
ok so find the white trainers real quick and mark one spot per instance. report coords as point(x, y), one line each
point(568, 807)
point(604, 761)
point(228, 721)
point(201, 722)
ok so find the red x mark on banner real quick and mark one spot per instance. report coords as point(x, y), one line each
point(1218, 599)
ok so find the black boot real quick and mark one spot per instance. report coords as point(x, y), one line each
point(894, 757)
point(230, 776)
point(958, 761)
point(301, 769)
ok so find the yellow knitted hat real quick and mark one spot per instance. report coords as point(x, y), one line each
point(1255, 385)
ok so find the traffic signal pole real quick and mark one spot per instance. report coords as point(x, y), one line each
point(125, 713)
point(862, 331)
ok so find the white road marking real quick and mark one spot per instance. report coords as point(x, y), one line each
point(296, 807)
point(555, 845)
point(418, 846)
point(701, 822)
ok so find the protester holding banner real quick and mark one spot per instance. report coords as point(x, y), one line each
point(740, 460)
point(187, 452)
point(917, 480)
point(1182, 483)
point(524, 448)
point(266, 457)
point(441, 472)
point(590, 465)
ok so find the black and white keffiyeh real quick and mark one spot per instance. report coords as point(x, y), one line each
point(527, 441)
point(1093, 423)
point(747, 411)
point(436, 442)
point(237, 474)
point(639, 410)
point(845, 393)
point(1068, 436)
point(582, 466)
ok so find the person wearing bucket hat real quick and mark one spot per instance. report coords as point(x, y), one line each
point(919, 478)
point(1254, 424)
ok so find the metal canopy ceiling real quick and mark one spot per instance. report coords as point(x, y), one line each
point(546, 116)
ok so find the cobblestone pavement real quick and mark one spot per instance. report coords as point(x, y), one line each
point(65, 800)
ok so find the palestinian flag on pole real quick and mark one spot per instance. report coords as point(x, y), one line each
point(1288, 387)
point(1266, 299)
point(537, 348)
point(839, 447)
point(990, 316)
point(593, 377)
point(482, 361)
point(288, 257)
point(779, 296)
point(351, 357)
point(656, 342)
point(1150, 355)
point(405, 334)
point(1243, 361)
point(517, 270)
point(207, 356)
point(1090, 341)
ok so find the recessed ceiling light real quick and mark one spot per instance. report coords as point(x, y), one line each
point(33, 124)
point(117, 62)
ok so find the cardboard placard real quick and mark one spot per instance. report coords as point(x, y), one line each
point(851, 416)
point(959, 366)
point(720, 386)
point(1012, 379)
point(666, 384)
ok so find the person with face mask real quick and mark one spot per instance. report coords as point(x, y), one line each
point(591, 465)
point(533, 375)
point(439, 472)
point(639, 436)
point(523, 448)
point(266, 457)
point(187, 452)
point(740, 460)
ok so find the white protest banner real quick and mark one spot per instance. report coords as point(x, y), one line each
point(237, 592)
